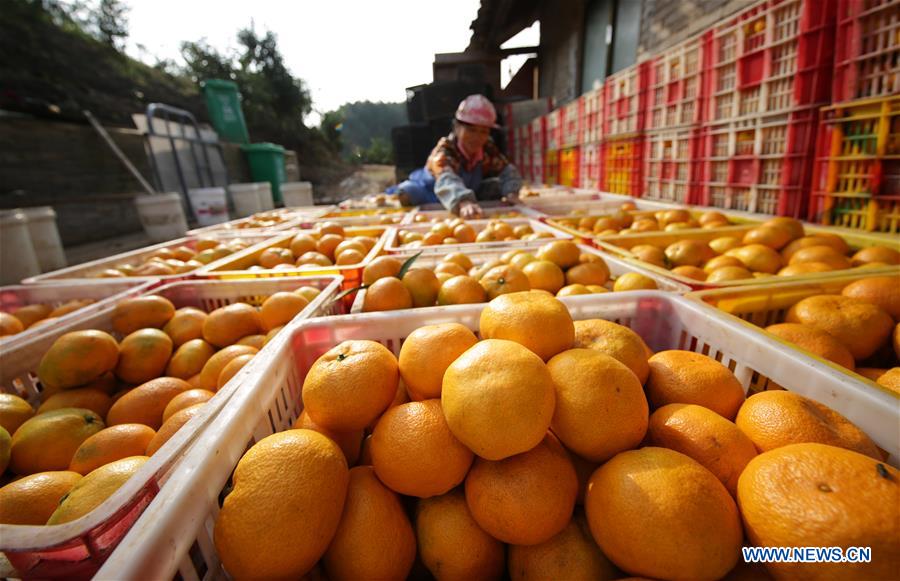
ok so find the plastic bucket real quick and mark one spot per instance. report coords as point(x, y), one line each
point(297, 194)
point(209, 205)
point(16, 251)
point(45, 238)
point(265, 196)
point(247, 199)
point(162, 216)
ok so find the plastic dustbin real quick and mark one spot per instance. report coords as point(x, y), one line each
point(266, 161)
point(223, 101)
point(45, 238)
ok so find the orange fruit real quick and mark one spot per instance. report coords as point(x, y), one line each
point(212, 369)
point(711, 216)
point(705, 436)
point(692, 272)
point(350, 385)
point(600, 405)
point(356, 245)
point(330, 228)
point(594, 288)
point(539, 322)
point(890, 379)
point(350, 256)
point(859, 326)
point(280, 308)
point(189, 359)
point(823, 254)
point(588, 273)
point(451, 544)
point(301, 244)
point(459, 258)
point(310, 474)
point(775, 237)
point(728, 273)
point(31, 500)
point(111, 444)
point(31, 314)
point(387, 294)
point(804, 268)
point(10, 325)
point(644, 225)
point(655, 511)
point(688, 253)
point(634, 281)
point(349, 441)
point(523, 259)
point(871, 254)
point(77, 358)
point(650, 254)
point(427, 353)
point(308, 292)
point(821, 239)
point(142, 312)
point(571, 554)
point(226, 325)
point(423, 286)
point(688, 377)
point(837, 497)
point(723, 244)
point(143, 355)
point(451, 268)
point(563, 253)
point(460, 290)
point(415, 453)
point(231, 369)
point(882, 291)
point(478, 272)
point(792, 225)
point(872, 373)
point(272, 257)
point(772, 419)
point(381, 267)
point(14, 411)
point(502, 280)
point(48, 441)
point(719, 262)
point(617, 341)
point(464, 233)
point(169, 427)
point(68, 307)
point(757, 257)
point(574, 289)
point(184, 400)
point(374, 539)
point(525, 499)
point(314, 259)
point(146, 403)
point(85, 398)
point(185, 325)
point(545, 275)
point(815, 341)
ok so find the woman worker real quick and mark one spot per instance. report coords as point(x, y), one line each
point(465, 166)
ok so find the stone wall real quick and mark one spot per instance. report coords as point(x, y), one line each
point(667, 22)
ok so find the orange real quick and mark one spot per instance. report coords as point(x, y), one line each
point(381, 267)
point(308, 292)
point(185, 325)
point(48, 441)
point(728, 273)
point(141, 312)
point(650, 254)
point(757, 257)
point(146, 403)
point(574, 289)
point(189, 359)
point(617, 341)
point(895, 341)
point(644, 225)
point(571, 554)
point(460, 290)
point(423, 286)
point(815, 341)
point(460, 259)
point(143, 355)
point(478, 272)
point(330, 228)
point(10, 325)
point(226, 325)
point(522, 259)
point(502, 280)
point(563, 253)
point(688, 377)
point(711, 216)
point(805, 268)
point(723, 244)
point(600, 405)
point(32, 499)
point(31, 314)
point(186, 399)
point(634, 281)
point(107, 383)
point(14, 411)
point(387, 294)
point(539, 322)
point(693, 272)
point(705, 436)
point(314, 258)
point(77, 358)
point(349, 441)
point(657, 513)
point(674, 216)
point(86, 398)
point(588, 273)
point(688, 253)
point(823, 254)
point(212, 369)
point(272, 257)
point(890, 379)
point(68, 307)
point(374, 539)
point(719, 262)
point(464, 233)
point(772, 419)
point(231, 369)
point(544, 275)
point(111, 444)
point(451, 268)
point(835, 496)
point(451, 544)
point(415, 454)
point(280, 308)
point(792, 225)
point(301, 244)
point(859, 326)
point(775, 237)
point(356, 245)
point(350, 256)
point(350, 385)
point(174, 423)
point(427, 353)
point(872, 373)
point(820, 239)
point(525, 499)
point(311, 477)
point(882, 291)
point(593, 288)
point(871, 254)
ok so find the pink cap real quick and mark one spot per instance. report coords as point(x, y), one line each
point(477, 110)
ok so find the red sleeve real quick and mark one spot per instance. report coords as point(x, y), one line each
point(444, 156)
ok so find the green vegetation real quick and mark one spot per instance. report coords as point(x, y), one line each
point(363, 130)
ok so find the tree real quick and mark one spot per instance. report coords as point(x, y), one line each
point(331, 127)
point(204, 62)
point(111, 21)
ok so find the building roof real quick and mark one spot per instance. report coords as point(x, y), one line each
point(500, 20)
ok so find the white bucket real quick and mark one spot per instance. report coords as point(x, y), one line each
point(297, 194)
point(265, 196)
point(247, 199)
point(17, 255)
point(209, 205)
point(162, 216)
point(45, 238)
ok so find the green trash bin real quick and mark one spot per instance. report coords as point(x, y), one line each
point(223, 101)
point(266, 162)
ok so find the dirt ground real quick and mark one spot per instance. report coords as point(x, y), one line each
point(368, 179)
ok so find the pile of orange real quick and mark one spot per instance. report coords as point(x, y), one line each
point(551, 449)
point(424, 218)
point(108, 405)
point(185, 258)
point(326, 245)
point(625, 221)
point(268, 219)
point(777, 247)
point(558, 267)
point(458, 231)
point(33, 316)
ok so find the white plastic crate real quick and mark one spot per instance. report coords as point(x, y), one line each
point(669, 162)
point(294, 217)
point(78, 548)
point(392, 242)
point(420, 216)
point(175, 535)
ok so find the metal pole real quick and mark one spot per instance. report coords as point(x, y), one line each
point(112, 145)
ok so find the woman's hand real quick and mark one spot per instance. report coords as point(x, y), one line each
point(469, 210)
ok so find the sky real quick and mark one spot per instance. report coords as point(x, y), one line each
point(345, 50)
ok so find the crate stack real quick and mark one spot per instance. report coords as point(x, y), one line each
point(624, 122)
point(572, 119)
point(538, 147)
point(555, 121)
point(516, 119)
point(591, 134)
point(857, 161)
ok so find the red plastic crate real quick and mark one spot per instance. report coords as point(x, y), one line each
point(539, 136)
point(622, 167)
point(592, 128)
point(551, 167)
point(537, 169)
point(589, 166)
point(867, 49)
point(678, 84)
point(772, 58)
point(760, 164)
point(671, 164)
point(857, 211)
point(625, 100)
point(555, 121)
point(568, 167)
point(572, 123)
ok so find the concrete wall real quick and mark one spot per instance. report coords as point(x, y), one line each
point(668, 22)
point(562, 26)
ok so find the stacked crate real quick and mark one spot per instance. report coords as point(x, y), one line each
point(572, 119)
point(624, 120)
point(538, 148)
point(591, 134)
